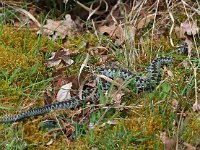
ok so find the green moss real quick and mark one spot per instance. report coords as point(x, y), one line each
point(80, 42)
point(24, 76)
point(191, 132)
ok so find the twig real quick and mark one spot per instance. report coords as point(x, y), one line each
point(28, 15)
point(95, 11)
point(113, 82)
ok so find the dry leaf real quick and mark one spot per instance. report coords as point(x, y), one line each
point(113, 31)
point(48, 95)
point(186, 64)
point(146, 20)
point(116, 32)
point(50, 142)
point(57, 57)
point(68, 129)
point(118, 97)
point(169, 72)
point(189, 28)
point(53, 62)
point(175, 104)
point(64, 92)
point(189, 146)
point(113, 122)
point(56, 29)
point(196, 107)
point(168, 143)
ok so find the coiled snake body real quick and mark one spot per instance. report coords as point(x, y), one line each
point(142, 83)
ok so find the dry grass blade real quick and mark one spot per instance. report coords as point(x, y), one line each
point(28, 15)
point(83, 65)
point(196, 105)
point(172, 26)
point(91, 13)
point(95, 11)
point(113, 82)
point(194, 9)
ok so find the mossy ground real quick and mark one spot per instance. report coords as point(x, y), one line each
point(24, 76)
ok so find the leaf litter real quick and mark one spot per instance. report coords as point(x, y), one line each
point(67, 27)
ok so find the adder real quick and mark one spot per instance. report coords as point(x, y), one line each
point(142, 83)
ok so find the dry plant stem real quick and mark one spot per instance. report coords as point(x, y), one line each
point(172, 26)
point(83, 65)
point(91, 13)
point(113, 82)
point(28, 15)
point(194, 9)
point(90, 9)
point(95, 31)
point(118, 106)
point(111, 13)
point(140, 4)
point(183, 2)
point(178, 128)
point(196, 89)
point(98, 121)
point(135, 17)
point(13, 3)
point(153, 27)
point(81, 89)
point(59, 128)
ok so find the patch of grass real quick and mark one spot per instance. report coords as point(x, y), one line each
point(23, 77)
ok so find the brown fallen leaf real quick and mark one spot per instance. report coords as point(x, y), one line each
point(68, 129)
point(188, 28)
point(117, 98)
point(175, 104)
point(57, 57)
point(55, 29)
point(145, 21)
point(196, 107)
point(168, 143)
point(118, 32)
point(113, 31)
point(48, 95)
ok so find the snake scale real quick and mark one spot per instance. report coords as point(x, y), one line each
point(142, 83)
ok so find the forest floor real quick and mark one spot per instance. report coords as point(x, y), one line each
point(43, 48)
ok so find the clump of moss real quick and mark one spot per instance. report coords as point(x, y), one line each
point(79, 42)
point(21, 64)
point(191, 132)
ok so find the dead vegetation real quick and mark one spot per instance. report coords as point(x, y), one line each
point(46, 56)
